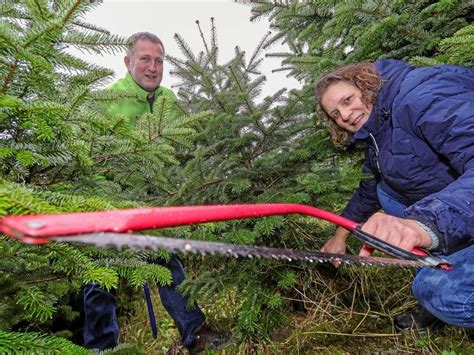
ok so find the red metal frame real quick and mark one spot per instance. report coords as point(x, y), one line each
point(36, 228)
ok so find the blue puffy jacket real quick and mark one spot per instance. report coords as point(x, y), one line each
point(420, 146)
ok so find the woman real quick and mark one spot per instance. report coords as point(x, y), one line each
point(418, 128)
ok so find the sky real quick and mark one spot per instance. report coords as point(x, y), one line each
point(165, 18)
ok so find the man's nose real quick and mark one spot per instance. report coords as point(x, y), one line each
point(153, 67)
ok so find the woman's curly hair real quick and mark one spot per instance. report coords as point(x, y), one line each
point(364, 76)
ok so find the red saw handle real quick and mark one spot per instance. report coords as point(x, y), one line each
point(39, 227)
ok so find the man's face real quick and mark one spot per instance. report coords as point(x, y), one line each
point(145, 64)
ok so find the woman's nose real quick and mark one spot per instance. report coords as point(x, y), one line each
point(345, 113)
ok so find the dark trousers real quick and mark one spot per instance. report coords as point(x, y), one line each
point(101, 329)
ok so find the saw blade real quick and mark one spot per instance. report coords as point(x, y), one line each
point(176, 245)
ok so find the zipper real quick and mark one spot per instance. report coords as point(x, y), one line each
point(150, 102)
point(377, 153)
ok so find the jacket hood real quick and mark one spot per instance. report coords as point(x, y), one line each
point(393, 72)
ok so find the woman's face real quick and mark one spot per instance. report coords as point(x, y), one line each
point(342, 102)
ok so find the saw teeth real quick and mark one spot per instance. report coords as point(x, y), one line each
point(142, 242)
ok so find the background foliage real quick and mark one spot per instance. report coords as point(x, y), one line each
point(58, 153)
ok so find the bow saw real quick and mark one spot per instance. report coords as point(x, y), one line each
point(113, 228)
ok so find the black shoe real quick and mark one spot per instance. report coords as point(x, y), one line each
point(417, 318)
point(208, 338)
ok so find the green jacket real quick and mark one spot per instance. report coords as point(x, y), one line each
point(133, 108)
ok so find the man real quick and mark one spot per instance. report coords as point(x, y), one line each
point(144, 62)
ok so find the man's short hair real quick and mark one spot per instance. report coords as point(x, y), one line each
point(141, 36)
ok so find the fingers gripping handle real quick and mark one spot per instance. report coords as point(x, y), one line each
point(392, 250)
point(416, 254)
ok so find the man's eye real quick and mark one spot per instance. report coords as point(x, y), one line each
point(347, 99)
point(335, 115)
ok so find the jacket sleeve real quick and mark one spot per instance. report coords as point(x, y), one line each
point(442, 114)
point(364, 202)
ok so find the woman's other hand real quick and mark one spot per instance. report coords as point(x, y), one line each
point(337, 244)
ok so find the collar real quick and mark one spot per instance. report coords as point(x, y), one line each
point(134, 88)
point(370, 127)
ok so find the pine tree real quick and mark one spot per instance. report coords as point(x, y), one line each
point(60, 153)
point(251, 151)
point(325, 33)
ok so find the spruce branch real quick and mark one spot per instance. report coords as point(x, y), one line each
point(241, 89)
point(8, 78)
point(89, 26)
point(202, 37)
point(95, 42)
point(258, 49)
point(34, 302)
point(36, 343)
point(214, 40)
point(185, 49)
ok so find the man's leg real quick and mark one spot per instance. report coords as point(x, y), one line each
point(101, 330)
point(449, 295)
point(188, 321)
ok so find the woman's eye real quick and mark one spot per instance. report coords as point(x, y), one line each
point(347, 99)
point(335, 115)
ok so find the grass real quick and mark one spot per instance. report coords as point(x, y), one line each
point(349, 313)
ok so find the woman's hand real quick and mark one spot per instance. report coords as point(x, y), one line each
point(403, 233)
point(337, 244)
